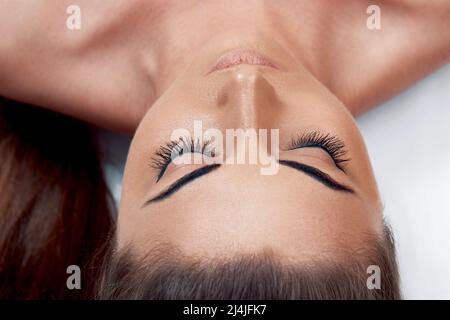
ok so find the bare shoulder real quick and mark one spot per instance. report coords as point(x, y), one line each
point(378, 51)
point(73, 59)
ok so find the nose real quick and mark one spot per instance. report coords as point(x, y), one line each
point(249, 99)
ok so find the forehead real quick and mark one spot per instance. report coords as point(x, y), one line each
point(237, 209)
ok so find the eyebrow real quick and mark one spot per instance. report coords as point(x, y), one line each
point(312, 172)
point(174, 187)
point(318, 175)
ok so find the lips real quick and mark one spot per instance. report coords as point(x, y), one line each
point(237, 57)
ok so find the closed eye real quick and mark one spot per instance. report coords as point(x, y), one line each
point(176, 148)
point(331, 144)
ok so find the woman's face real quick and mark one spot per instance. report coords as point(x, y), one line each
point(312, 205)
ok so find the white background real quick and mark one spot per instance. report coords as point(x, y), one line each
point(408, 139)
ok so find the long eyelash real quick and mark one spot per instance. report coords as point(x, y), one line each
point(331, 144)
point(164, 155)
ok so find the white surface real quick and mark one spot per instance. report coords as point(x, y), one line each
point(408, 139)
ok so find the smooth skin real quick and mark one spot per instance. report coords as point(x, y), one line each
point(128, 53)
point(146, 63)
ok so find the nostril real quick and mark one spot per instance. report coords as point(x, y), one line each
point(222, 99)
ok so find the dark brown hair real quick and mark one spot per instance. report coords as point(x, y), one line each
point(166, 274)
point(54, 204)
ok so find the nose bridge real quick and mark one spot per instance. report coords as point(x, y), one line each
point(250, 98)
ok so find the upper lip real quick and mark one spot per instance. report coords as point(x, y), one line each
point(241, 56)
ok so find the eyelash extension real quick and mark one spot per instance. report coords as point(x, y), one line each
point(329, 143)
point(175, 148)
